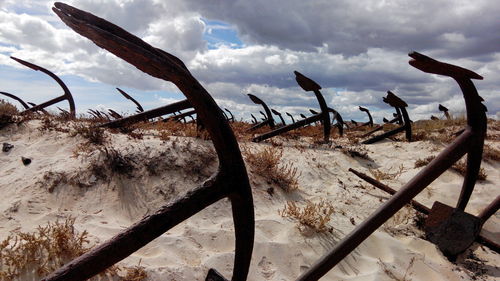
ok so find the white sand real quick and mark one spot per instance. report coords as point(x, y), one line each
point(281, 251)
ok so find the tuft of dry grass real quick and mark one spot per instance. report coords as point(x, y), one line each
point(93, 134)
point(41, 252)
point(6, 108)
point(312, 216)
point(459, 167)
point(266, 163)
point(380, 175)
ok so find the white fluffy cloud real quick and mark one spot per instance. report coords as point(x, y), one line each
point(356, 50)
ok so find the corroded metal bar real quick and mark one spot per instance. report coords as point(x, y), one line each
point(16, 98)
point(148, 114)
point(230, 113)
point(231, 179)
point(127, 96)
point(370, 122)
point(416, 205)
point(66, 96)
point(490, 210)
point(291, 116)
point(114, 114)
point(254, 119)
point(472, 136)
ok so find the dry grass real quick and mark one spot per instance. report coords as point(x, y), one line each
point(93, 135)
point(30, 256)
point(380, 175)
point(41, 252)
point(7, 108)
point(312, 216)
point(491, 153)
point(459, 167)
point(391, 273)
point(266, 163)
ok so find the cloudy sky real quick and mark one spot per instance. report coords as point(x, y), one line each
point(356, 50)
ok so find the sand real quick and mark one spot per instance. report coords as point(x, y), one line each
point(166, 169)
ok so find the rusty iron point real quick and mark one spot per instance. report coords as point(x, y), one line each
point(400, 105)
point(25, 105)
point(307, 85)
point(291, 116)
point(445, 110)
point(66, 95)
point(127, 96)
point(269, 121)
point(303, 116)
point(254, 119)
point(114, 114)
point(279, 115)
point(230, 181)
point(470, 142)
point(230, 113)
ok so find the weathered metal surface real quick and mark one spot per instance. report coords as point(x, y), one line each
point(127, 96)
point(230, 180)
point(490, 210)
point(66, 96)
point(445, 111)
point(291, 116)
point(451, 229)
point(470, 141)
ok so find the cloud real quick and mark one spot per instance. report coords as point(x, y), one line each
point(356, 50)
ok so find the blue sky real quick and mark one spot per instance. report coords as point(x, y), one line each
point(355, 50)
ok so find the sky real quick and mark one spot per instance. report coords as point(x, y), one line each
point(356, 51)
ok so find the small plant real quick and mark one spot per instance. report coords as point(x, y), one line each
point(266, 163)
point(380, 175)
point(313, 216)
point(41, 252)
point(93, 134)
point(118, 163)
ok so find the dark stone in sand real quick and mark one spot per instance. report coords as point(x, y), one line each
point(7, 147)
point(26, 161)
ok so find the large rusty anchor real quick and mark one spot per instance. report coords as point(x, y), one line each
point(279, 115)
point(127, 96)
point(12, 96)
point(268, 117)
point(229, 181)
point(370, 119)
point(307, 85)
point(470, 142)
point(66, 96)
point(400, 105)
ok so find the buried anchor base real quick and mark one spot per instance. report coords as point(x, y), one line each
point(451, 229)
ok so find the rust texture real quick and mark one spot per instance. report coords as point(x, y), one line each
point(469, 142)
point(66, 95)
point(229, 181)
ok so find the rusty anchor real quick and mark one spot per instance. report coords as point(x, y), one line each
point(340, 122)
point(291, 116)
point(279, 115)
point(66, 96)
point(470, 142)
point(400, 105)
point(127, 96)
point(370, 119)
point(230, 113)
point(229, 181)
point(307, 85)
point(445, 111)
point(268, 117)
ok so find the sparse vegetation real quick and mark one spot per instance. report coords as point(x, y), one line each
point(380, 175)
point(459, 167)
point(32, 255)
point(266, 163)
point(312, 216)
point(392, 273)
point(93, 135)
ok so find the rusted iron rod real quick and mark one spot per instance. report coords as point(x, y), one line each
point(254, 119)
point(148, 114)
point(181, 115)
point(16, 98)
point(384, 135)
point(291, 117)
point(298, 124)
point(127, 96)
point(230, 113)
point(268, 115)
point(490, 210)
point(279, 115)
point(419, 207)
